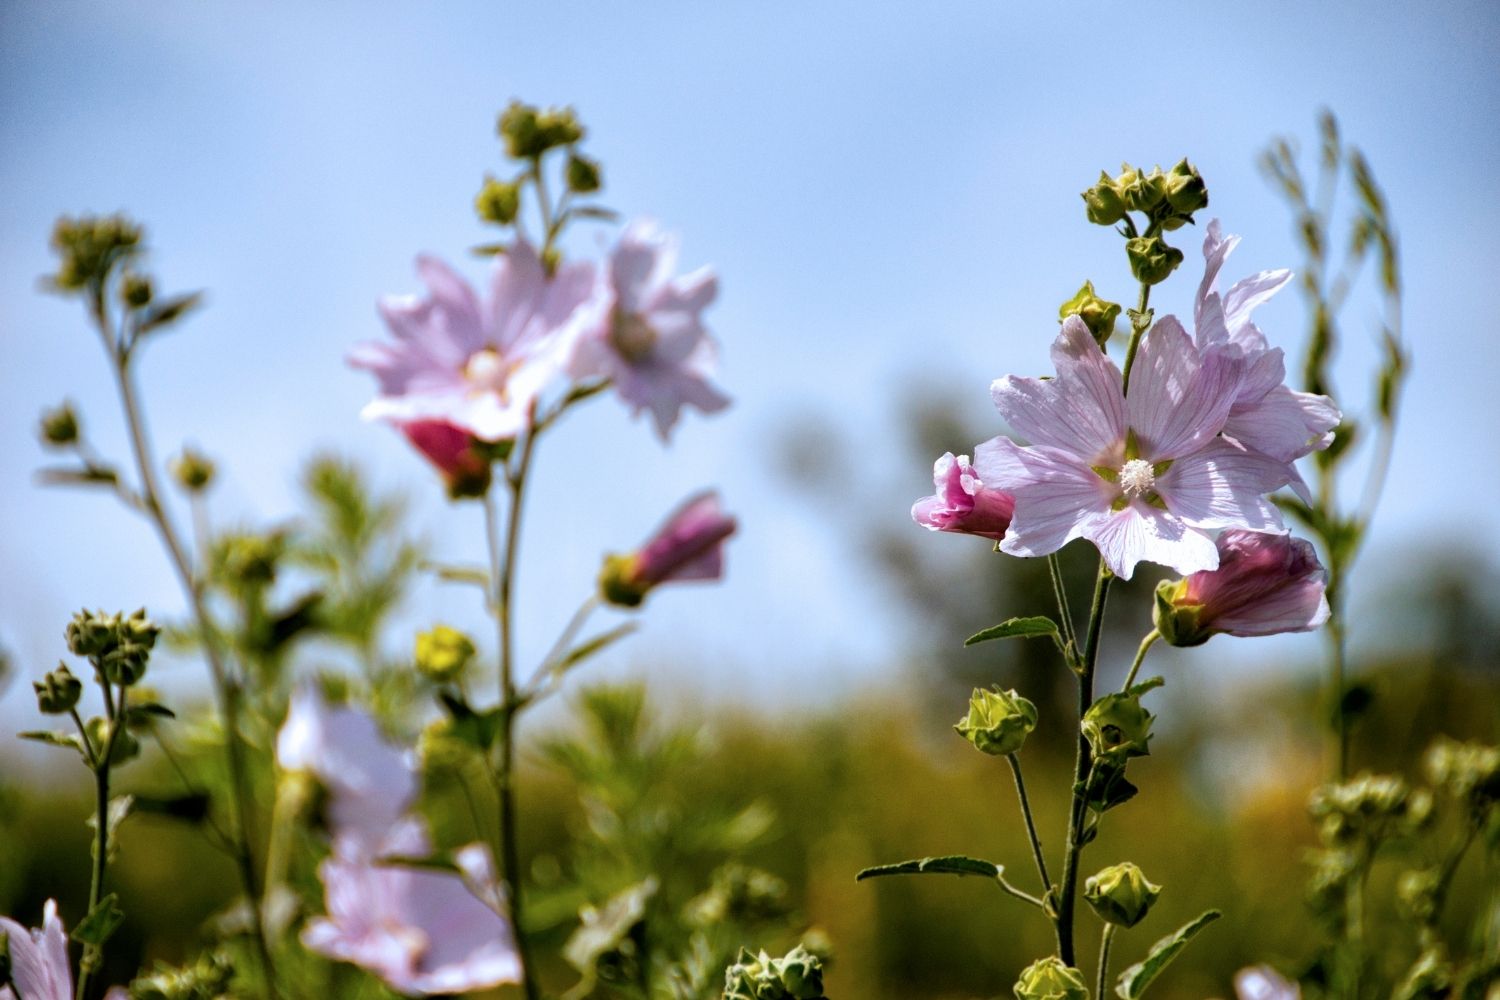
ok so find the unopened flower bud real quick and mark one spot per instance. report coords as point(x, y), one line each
point(519, 130)
point(1151, 259)
point(443, 653)
point(1186, 192)
point(1367, 808)
point(125, 746)
point(193, 470)
point(135, 290)
point(1266, 583)
point(1097, 314)
point(1049, 979)
point(689, 546)
point(91, 633)
point(464, 461)
point(58, 692)
point(583, 175)
point(1102, 202)
point(1141, 192)
point(962, 503)
point(796, 976)
point(1120, 894)
point(498, 201)
point(1118, 726)
point(998, 721)
point(89, 247)
point(60, 426)
point(559, 127)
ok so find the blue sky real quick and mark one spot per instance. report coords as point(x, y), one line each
point(890, 195)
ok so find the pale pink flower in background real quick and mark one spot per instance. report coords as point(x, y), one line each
point(371, 782)
point(39, 958)
point(962, 502)
point(1266, 583)
point(421, 930)
point(650, 341)
point(689, 545)
point(1261, 982)
point(478, 365)
point(1143, 477)
point(1267, 416)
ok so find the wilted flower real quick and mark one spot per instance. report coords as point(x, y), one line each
point(1261, 982)
point(1121, 894)
point(1266, 583)
point(39, 966)
point(963, 504)
point(371, 781)
point(689, 546)
point(998, 721)
point(1143, 477)
point(478, 366)
point(1049, 979)
point(650, 340)
point(420, 930)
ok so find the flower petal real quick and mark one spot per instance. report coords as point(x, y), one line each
point(1284, 424)
point(1056, 495)
point(1081, 411)
point(1143, 533)
point(1223, 486)
point(1179, 401)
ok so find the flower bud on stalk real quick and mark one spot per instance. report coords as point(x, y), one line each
point(126, 746)
point(1049, 979)
point(443, 653)
point(1120, 894)
point(463, 461)
point(962, 503)
point(136, 291)
point(1118, 727)
point(498, 201)
point(1141, 192)
point(1103, 203)
point(1185, 190)
point(1266, 583)
point(998, 721)
point(583, 175)
point(193, 470)
point(689, 546)
point(60, 426)
point(58, 692)
point(796, 976)
point(1097, 314)
point(1151, 260)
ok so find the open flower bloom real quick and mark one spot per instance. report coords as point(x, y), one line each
point(1144, 477)
point(423, 931)
point(650, 341)
point(1261, 982)
point(39, 958)
point(689, 546)
point(962, 502)
point(371, 782)
point(477, 365)
point(1266, 583)
point(1266, 416)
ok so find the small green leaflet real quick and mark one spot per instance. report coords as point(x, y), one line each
point(1017, 628)
point(102, 921)
point(953, 864)
point(1134, 980)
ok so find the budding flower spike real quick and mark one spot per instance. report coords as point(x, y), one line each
point(689, 546)
point(1266, 583)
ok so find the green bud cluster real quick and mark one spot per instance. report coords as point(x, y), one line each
point(442, 654)
point(498, 201)
point(1118, 727)
point(1470, 772)
point(90, 246)
point(117, 645)
point(529, 131)
point(58, 692)
point(193, 470)
point(1097, 314)
point(1049, 979)
point(208, 979)
point(1120, 894)
point(739, 894)
point(998, 721)
point(1367, 809)
point(59, 426)
point(798, 975)
point(1167, 199)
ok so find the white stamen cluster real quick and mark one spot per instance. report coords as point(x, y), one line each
point(1137, 478)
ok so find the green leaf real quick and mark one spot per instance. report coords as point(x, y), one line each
point(953, 864)
point(168, 311)
point(595, 212)
point(478, 729)
point(490, 249)
point(473, 575)
point(56, 738)
point(102, 921)
point(191, 807)
point(1017, 628)
point(1134, 980)
point(88, 475)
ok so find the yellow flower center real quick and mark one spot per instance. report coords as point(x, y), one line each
point(487, 371)
point(632, 336)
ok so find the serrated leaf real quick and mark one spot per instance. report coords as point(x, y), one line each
point(56, 738)
point(168, 311)
point(953, 864)
point(102, 921)
point(1134, 980)
point(1017, 628)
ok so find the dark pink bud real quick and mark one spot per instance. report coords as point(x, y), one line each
point(689, 546)
point(1266, 583)
point(963, 503)
point(459, 456)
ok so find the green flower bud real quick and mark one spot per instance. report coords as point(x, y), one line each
point(1368, 808)
point(1185, 191)
point(498, 201)
point(559, 127)
point(135, 290)
point(60, 426)
point(1151, 260)
point(801, 973)
point(1118, 727)
point(518, 127)
point(193, 470)
point(125, 664)
point(249, 560)
point(443, 653)
point(998, 721)
point(1049, 979)
point(1102, 202)
point(58, 692)
point(1097, 314)
point(1120, 894)
point(1467, 771)
point(1178, 623)
point(92, 633)
point(89, 247)
point(126, 746)
point(796, 976)
point(1141, 192)
point(583, 175)
point(619, 582)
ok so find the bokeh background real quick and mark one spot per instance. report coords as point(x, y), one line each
point(890, 196)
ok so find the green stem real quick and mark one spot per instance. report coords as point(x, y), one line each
point(1064, 611)
point(1140, 657)
point(1067, 900)
point(1036, 843)
point(1338, 668)
point(1137, 329)
point(1105, 941)
point(93, 956)
point(503, 572)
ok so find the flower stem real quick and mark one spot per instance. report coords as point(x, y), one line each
point(1036, 844)
point(1064, 612)
point(1137, 329)
point(1066, 903)
point(1105, 940)
point(503, 573)
point(1140, 657)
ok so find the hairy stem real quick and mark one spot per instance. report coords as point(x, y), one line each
point(1140, 657)
point(1036, 843)
point(1105, 940)
point(1064, 611)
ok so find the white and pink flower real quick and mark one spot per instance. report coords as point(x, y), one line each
point(38, 958)
point(963, 503)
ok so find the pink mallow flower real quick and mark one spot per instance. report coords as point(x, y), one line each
point(963, 503)
point(1145, 477)
point(371, 782)
point(459, 456)
point(1266, 416)
point(689, 546)
point(1266, 583)
point(477, 365)
point(38, 958)
point(421, 930)
point(650, 341)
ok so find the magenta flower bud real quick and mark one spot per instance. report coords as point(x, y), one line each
point(962, 502)
point(458, 455)
point(1266, 583)
point(689, 546)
